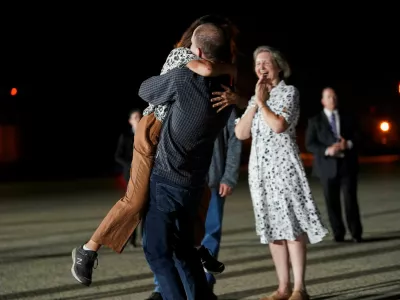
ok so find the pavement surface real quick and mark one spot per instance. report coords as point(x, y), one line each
point(40, 223)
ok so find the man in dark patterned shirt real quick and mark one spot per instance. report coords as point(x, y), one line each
point(181, 166)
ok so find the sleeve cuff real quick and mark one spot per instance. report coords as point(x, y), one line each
point(349, 144)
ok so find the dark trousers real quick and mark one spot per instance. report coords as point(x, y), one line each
point(212, 238)
point(133, 239)
point(168, 239)
point(346, 182)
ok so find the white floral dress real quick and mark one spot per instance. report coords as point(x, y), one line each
point(283, 204)
point(177, 58)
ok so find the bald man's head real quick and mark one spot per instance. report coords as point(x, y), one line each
point(210, 42)
point(329, 99)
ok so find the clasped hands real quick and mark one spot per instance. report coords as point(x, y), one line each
point(337, 147)
point(262, 92)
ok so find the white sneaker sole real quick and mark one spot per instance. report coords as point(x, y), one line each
point(212, 273)
point(73, 264)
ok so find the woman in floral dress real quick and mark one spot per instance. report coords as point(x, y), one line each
point(285, 212)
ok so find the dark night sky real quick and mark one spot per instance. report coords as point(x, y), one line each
point(78, 75)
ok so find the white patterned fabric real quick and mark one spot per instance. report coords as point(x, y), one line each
point(283, 203)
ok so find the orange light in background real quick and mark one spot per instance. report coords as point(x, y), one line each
point(14, 91)
point(384, 126)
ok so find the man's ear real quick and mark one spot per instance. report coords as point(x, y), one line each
point(200, 53)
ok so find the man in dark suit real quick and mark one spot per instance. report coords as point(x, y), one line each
point(183, 158)
point(124, 152)
point(331, 138)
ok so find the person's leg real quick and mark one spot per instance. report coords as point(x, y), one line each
point(353, 219)
point(210, 264)
point(213, 225)
point(159, 230)
point(119, 224)
point(212, 238)
point(298, 255)
point(156, 294)
point(201, 216)
point(331, 187)
point(156, 285)
point(132, 239)
point(280, 256)
point(187, 257)
point(121, 221)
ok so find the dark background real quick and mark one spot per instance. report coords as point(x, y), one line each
point(78, 73)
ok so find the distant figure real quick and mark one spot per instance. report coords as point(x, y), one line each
point(124, 152)
point(330, 137)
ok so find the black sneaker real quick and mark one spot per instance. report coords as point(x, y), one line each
point(210, 264)
point(155, 296)
point(83, 265)
point(213, 297)
point(132, 244)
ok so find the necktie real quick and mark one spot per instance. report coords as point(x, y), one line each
point(333, 125)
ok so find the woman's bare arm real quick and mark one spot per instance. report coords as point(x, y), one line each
point(243, 127)
point(208, 69)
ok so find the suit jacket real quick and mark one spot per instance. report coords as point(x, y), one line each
point(319, 137)
point(124, 152)
point(225, 163)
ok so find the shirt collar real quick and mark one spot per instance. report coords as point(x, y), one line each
point(328, 113)
point(279, 86)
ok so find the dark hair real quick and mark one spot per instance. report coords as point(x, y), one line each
point(225, 24)
point(133, 111)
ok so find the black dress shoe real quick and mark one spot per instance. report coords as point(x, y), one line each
point(155, 296)
point(338, 239)
point(213, 297)
point(357, 240)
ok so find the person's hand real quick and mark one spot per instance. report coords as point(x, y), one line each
point(262, 91)
point(225, 98)
point(342, 144)
point(224, 190)
point(334, 149)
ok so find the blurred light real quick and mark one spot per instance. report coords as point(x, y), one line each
point(14, 91)
point(399, 88)
point(384, 126)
